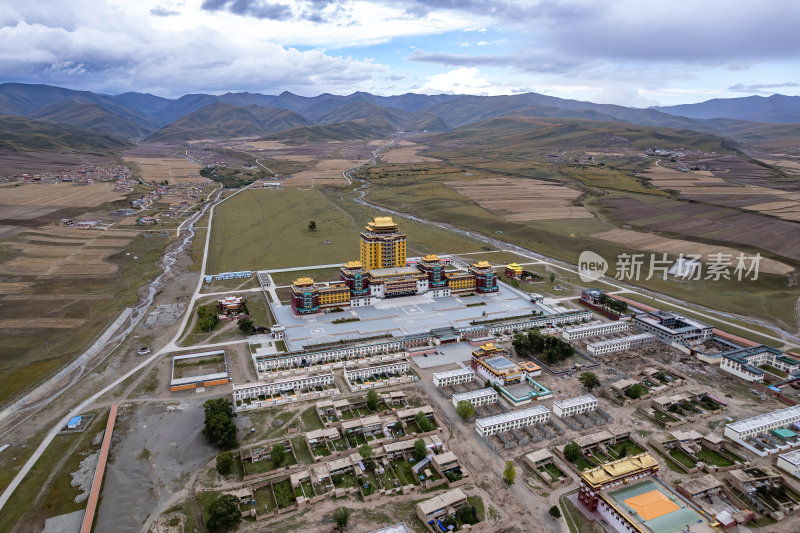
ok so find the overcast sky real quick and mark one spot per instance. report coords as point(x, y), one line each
point(628, 52)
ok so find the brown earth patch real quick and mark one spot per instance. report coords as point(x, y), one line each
point(41, 323)
point(522, 199)
point(674, 247)
point(712, 222)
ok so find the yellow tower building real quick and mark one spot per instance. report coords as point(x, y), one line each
point(383, 245)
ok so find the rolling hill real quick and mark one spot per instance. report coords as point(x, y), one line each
point(557, 133)
point(776, 108)
point(24, 135)
point(98, 118)
point(336, 131)
point(224, 121)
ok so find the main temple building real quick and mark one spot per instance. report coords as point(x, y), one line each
point(382, 271)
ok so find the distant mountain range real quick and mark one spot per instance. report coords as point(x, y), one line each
point(132, 117)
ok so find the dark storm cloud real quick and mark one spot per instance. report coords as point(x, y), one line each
point(161, 11)
point(251, 8)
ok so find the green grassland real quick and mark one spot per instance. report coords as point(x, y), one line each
point(46, 490)
point(25, 358)
point(769, 298)
point(261, 229)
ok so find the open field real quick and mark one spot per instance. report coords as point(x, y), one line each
point(715, 223)
point(261, 229)
point(59, 194)
point(673, 247)
point(13, 163)
point(325, 172)
point(405, 152)
point(522, 199)
point(67, 281)
point(709, 187)
point(174, 170)
point(772, 297)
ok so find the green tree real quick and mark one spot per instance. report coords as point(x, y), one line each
point(467, 514)
point(278, 454)
point(552, 277)
point(207, 318)
point(219, 428)
point(589, 380)
point(465, 409)
point(312, 226)
point(510, 473)
point(555, 512)
point(661, 376)
point(372, 399)
point(225, 463)
point(572, 451)
point(420, 450)
point(245, 324)
point(365, 451)
point(637, 390)
point(424, 422)
point(223, 514)
point(623, 452)
point(341, 515)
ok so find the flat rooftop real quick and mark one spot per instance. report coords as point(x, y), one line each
point(512, 415)
point(629, 338)
point(471, 395)
point(792, 457)
point(775, 417)
point(453, 373)
point(592, 327)
point(398, 317)
point(572, 402)
point(500, 363)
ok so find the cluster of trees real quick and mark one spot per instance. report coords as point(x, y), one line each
point(223, 514)
point(465, 409)
point(225, 463)
point(277, 454)
point(637, 390)
point(552, 348)
point(610, 304)
point(420, 450)
point(372, 399)
point(572, 451)
point(312, 226)
point(424, 422)
point(219, 428)
point(589, 380)
point(341, 515)
point(207, 317)
point(245, 324)
point(466, 514)
point(510, 473)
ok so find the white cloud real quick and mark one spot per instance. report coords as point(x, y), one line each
point(108, 54)
point(463, 80)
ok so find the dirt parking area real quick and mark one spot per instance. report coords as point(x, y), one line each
point(156, 448)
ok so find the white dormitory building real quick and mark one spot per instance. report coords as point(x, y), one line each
point(476, 397)
point(573, 406)
point(623, 343)
point(453, 377)
point(593, 330)
point(756, 425)
point(511, 420)
point(670, 327)
point(248, 391)
point(396, 367)
point(745, 362)
point(790, 462)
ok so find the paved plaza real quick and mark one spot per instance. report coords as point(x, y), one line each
point(400, 316)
